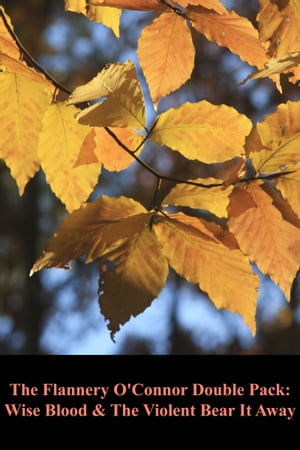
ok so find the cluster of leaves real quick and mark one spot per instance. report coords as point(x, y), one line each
point(103, 124)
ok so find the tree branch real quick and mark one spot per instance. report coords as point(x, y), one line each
point(56, 83)
point(146, 166)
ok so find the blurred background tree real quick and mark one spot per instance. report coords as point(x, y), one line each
point(57, 311)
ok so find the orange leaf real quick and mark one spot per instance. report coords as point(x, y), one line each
point(214, 5)
point(138, 5)
point(232, 31)
point(7, 43)
point(99, 146)
point(279, 26)
point(166, 54)
point(264, 236)
point(215, 265)
point(289, 186)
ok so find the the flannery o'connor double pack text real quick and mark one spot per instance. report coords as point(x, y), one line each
point(143, 391)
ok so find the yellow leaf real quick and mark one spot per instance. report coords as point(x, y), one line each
point(100, 146)
point(166, 54)
point(79, 6)
point(220, 271)
point(214, 5)
point(232, 31)
point(138, 5)
point(265, 237)
point(110, 17)
point(276, 65)
point(214, 199)
point(279, 26)
point(7, 43)
point(22, 106)
point(12, 65)
point(273, 145)
point(124, 104)
point(90, 230)
point(202, 131)
point(59, 145)
point(141, 273)
point(289, 186)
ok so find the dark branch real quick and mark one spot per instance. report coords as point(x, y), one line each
point(146, 166)
point(56, 83)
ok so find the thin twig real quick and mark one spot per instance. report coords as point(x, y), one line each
point(56, 83)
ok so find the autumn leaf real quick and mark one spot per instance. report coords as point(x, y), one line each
point(22, 107)
point(116, 229)
point(9, 64)
point(58, 153)
point(214, 199)
point(197, 255)
point(136, 5)
point(264, 236)
point(289, 186)
point(110, 17)
point(90, 230)
point(123, 105)
point(99, 146)
point(8, 45)
point(273, 145)
point(275, 66)
point(279, 26)
point(214, 5)
point(232, 31)
point(281, 204)
point(141, 273)
point(166, 54)
point(202, 131)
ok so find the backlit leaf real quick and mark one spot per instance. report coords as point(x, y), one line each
point(138, 5)
point(279, 26)
point(58, 152)
point(79, 6)
point(124, 104)
point(289, 186)
point(214, 5)
point(265, 237)
point(99, 146)
point(276, 66)
point(90, 231)
point(214, 199)
point(220, 271)
point(166, 54)
point(22, 107)
point(140, 274)
point(273, 145)
point(232, 31)
point(110, 17)
point(12, 65)
point(8, 45)
point(202, 131)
